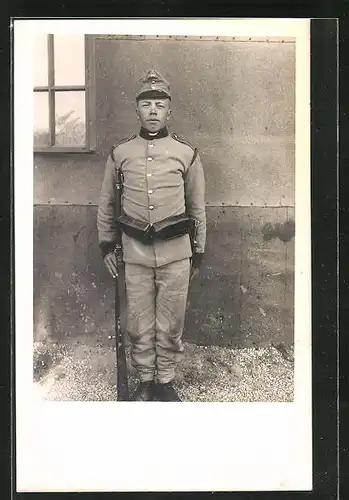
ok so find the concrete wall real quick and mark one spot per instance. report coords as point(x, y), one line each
point(234, 100)
point(243, 296)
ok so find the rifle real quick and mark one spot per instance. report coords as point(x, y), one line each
point(120, 301)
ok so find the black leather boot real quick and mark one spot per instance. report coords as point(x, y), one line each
point(166, 392)
point(144, 392)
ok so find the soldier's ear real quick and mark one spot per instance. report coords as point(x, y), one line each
point(168, 114)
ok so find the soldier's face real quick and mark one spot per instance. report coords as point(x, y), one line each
point(153, 113)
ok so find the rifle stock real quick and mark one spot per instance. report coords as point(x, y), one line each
point(120, 329)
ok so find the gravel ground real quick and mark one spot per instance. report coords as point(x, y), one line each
point(84, 370)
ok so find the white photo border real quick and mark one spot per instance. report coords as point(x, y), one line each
point(77, 446)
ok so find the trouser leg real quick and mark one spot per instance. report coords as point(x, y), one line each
point(140, 292)
point(172, 283)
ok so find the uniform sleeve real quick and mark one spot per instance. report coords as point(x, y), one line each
point(106, 217)
point(194, 184)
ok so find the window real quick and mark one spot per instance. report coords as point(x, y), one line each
point(63, 94)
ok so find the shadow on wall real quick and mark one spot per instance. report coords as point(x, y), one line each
point(285, 232)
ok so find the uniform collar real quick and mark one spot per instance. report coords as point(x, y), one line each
point(145, 134)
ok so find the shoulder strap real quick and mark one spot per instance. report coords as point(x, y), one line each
point(194, 156)
point(183, 141)
point(122, 141)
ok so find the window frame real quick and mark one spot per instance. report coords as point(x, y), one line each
point(90, 100)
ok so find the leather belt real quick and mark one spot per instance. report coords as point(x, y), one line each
point(147, 233)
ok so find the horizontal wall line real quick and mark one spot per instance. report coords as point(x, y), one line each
point(67, 204)
point(189, 38)
point(250, 206)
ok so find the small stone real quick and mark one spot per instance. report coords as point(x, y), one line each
point(263, 313)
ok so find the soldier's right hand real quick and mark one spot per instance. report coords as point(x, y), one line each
point(111, 264)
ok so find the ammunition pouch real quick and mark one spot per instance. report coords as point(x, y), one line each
point(167, 229)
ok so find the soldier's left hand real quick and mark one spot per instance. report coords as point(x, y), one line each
point(111, 264)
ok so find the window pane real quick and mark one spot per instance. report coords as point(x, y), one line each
point(70, 118)
point(40, 60)
point(69, 53)
point(41, 120)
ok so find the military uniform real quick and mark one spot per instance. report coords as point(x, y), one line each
point(162, 177)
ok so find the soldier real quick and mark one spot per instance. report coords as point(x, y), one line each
point(163, 186)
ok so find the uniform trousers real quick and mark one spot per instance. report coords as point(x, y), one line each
point(156, 305)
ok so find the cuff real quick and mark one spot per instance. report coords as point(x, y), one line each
point(197, 259)
point(107, 247)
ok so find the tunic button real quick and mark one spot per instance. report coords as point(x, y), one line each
point(150, 158)
point(151, 207)
point(148, 175)
point(150, 191)
point(151, 145)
